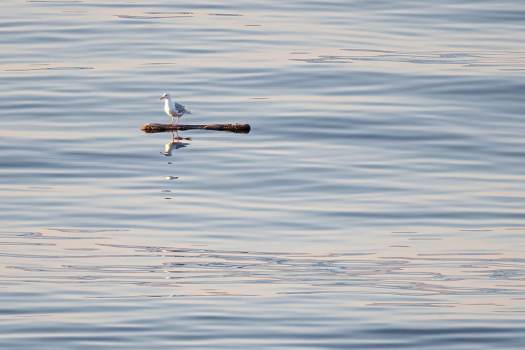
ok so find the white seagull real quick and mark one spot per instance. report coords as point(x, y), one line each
point(173, 109)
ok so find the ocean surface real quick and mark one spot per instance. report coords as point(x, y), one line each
point(377, 203)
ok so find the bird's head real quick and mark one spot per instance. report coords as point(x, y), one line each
point(165, 95)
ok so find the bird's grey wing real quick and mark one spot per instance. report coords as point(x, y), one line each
point(179, 108)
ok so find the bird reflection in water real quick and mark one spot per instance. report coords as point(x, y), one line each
point(175, 143)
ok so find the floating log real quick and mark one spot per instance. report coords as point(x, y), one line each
point(155, 127)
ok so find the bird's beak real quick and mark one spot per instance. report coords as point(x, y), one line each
point(162, 97)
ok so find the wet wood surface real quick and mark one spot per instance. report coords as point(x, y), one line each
point(236, 128)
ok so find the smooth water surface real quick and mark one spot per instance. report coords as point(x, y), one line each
point(377, 203)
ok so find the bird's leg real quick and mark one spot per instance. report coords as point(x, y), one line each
point(171, 120)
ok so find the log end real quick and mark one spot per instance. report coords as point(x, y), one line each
point(153, 127)
point(241, 128)
point(236, 128)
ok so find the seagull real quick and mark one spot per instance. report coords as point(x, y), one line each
point(173, 109)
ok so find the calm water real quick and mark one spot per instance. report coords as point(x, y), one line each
point(377, 203)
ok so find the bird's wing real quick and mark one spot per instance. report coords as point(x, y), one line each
point(179, 108)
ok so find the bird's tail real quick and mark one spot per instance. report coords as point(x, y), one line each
point(188, 111)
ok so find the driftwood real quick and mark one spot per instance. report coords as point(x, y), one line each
point(155, 127)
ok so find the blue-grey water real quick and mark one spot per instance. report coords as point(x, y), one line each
point(378, 203)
